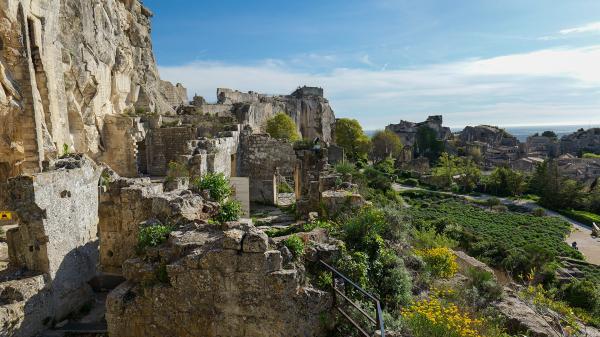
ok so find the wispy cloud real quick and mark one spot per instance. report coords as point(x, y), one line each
point(547, 86)
point(593, 27)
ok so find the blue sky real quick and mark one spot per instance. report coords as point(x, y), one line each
point(509, 62)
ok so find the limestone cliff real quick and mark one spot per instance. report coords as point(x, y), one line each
point(64, 66)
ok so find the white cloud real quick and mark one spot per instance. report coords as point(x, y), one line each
point(548, 86)
point(593, 27)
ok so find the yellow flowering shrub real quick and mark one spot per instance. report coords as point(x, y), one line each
point(441, 261)
point(432, 318)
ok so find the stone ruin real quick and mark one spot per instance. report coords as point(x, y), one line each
point(407, 131)
point(90, 134)
point(54, 250)
point(218, 282)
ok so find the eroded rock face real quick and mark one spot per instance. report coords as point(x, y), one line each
point(214, 281)
point(490, 135)
point(581, 141)
point(64, 66)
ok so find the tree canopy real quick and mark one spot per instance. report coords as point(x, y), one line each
point(351, 137)
point(282, 126)
point(386, 144)
point(427, 144)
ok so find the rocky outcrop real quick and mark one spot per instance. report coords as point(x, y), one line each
point(490, 135)
point(64, 66)
point(214, 281)
point(521, 317)
point(581, 141)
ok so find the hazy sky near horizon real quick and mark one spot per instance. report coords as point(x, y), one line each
point(509, 62)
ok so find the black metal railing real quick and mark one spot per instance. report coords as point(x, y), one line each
point(340, 297)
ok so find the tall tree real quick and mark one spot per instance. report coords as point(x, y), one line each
point(386, 144)
point(351, 137)
point(282, 126)
point(427, 144)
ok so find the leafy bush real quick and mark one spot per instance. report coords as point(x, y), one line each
point(430, 238)
point(152, 236)
point(485, 284)
point(355, 266)
point(350, 136)
point(230, 210)
point(324, 280)
point(345, 168)
point(391, 281)
point(441, 262)
point(295, 244)
point(363, 231)
point(217, 185)
point(282, 126)
point(582, 294)
point(539, 212)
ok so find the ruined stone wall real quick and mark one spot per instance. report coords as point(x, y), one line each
point(164, 145)
point(261, 157)
point(229, 96)
point(307, 107)
point(64, 66)
point(127, 203)
point(121, 137)
point(218, 282)
point(58, 226)
point(175, 95)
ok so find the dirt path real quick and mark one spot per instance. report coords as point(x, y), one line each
point(582, 234)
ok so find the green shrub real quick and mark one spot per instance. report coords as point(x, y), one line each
point(539, 212)
point(230, 210)
point(485, 284)
point(391, 281)
point(152, 236)
point(430, 238)
point(324, 280)
point(582, 294)
point(363, 231)
point(217, 185)
point(355, 266)
point(345, 168)
point(295, 244)
point(282, 126)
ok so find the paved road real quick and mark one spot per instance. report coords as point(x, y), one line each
point(588, 246)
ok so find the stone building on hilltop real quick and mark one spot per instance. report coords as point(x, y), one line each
point(407, 131)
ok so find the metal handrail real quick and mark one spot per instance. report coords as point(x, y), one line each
point(378, 321)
